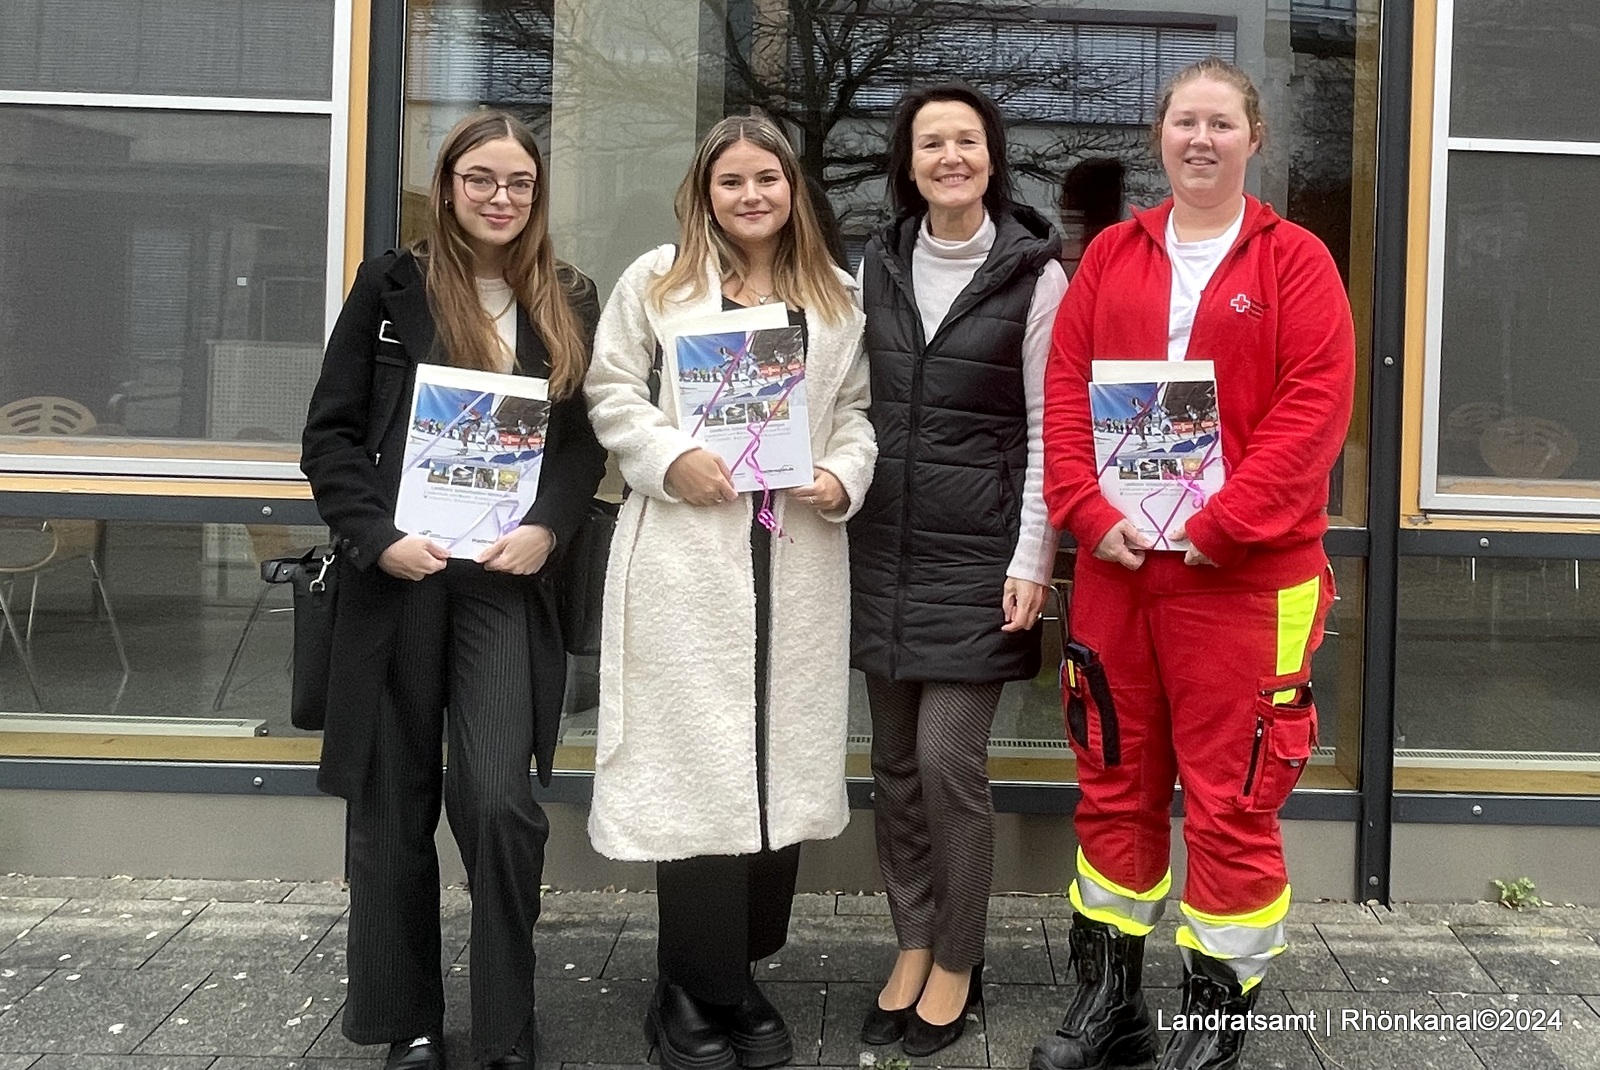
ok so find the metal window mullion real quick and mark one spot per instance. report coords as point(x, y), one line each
point(1432, 362)
point(385, 116)
point(1374, 832)
point(158, 102)
point(1518, 145)
point(338, 164)
point(1516, 505)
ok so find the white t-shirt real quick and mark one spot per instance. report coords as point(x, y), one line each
point(1193, 264)
point(498, 301)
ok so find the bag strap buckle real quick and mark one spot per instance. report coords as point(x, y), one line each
point(320, 583)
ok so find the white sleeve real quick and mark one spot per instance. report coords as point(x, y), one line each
point(1037, 541)
point(644, 441)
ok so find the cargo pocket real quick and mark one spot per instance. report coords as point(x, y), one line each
point(1086, 698)
point(1285, 732)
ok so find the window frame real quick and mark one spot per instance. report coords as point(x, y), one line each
point(1537, 502)
point(143, 456)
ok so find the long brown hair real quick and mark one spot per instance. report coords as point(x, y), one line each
point(540, 284)
point(802, 272)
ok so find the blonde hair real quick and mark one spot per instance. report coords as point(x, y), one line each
point(1218, 70)
point(803, 275)
point(540, 284)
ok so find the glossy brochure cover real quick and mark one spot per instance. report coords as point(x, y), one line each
point(740, 385)
point(1157, 441)
point(474, 450)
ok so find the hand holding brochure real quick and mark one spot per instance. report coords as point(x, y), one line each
point(1157, 441)
point(474, 450)
point(741, 390)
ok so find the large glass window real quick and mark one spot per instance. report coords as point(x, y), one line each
point(171, 200)
point(620, 91)
point(127, 639)
point(1496, 677)
point(1511, 311)
point(202, 48)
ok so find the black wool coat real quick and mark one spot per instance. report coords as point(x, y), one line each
point(930, 547)
point(351, 452)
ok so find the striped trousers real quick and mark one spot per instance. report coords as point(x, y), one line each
point(462, 642)
point(933, 814)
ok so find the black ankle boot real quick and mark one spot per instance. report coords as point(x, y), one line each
point(686, 1036)
point(758, 1033)
point(1107, 1022)
point(1211, 990)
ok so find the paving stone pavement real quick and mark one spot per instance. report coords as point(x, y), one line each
point(120, 974)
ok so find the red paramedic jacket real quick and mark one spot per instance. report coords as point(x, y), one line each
point(1276, 321)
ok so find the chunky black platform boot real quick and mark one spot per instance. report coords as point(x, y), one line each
point(684, 1034)
point(1107, 1023)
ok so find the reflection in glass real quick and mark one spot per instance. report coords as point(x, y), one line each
point(181, 595)
point(622, 91)
point(206, 48)
point(1496, 661)
point(1525, 69)
point(164, 270)
point(1517, 395)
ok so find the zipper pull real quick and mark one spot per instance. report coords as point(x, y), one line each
point(377, 458)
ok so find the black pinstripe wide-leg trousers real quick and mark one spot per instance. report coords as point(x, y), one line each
point(462, 642)
point(933, 815)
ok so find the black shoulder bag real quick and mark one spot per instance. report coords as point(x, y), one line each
point(313, 578)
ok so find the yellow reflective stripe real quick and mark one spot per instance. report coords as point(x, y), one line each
point(1121, 923)
point(1159, 892)
point(1297, 608)
point(1264, 918)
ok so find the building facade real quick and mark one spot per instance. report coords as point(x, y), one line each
point(186, 190)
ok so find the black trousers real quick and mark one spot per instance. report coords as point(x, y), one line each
point(462, 643)
point(720, 913)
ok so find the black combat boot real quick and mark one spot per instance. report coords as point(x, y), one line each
point(1212, 1037)
point(1107, 1023)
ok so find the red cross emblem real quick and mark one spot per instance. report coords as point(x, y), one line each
point(1240, 304)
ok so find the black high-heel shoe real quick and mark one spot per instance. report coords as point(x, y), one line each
point(924, 1038)
point(885, 1027)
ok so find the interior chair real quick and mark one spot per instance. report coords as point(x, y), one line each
point(267, 541)
point(29, 548)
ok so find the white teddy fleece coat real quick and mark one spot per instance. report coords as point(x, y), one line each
point(675, 758)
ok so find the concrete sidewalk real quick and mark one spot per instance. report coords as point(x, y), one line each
point(120, 974)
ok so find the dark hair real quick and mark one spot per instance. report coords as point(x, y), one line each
point(903, 193)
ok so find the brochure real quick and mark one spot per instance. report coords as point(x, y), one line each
point(474, 448)
point(1157, 441)
point(741, 389)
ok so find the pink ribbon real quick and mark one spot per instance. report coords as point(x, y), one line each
point(1190, 488)
point(750, 457)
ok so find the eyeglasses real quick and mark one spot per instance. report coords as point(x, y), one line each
point(482, 188)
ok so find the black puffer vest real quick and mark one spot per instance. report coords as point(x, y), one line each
point(930, 547)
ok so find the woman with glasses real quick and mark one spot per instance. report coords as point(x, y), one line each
point(418, 632)
point(723, 683)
